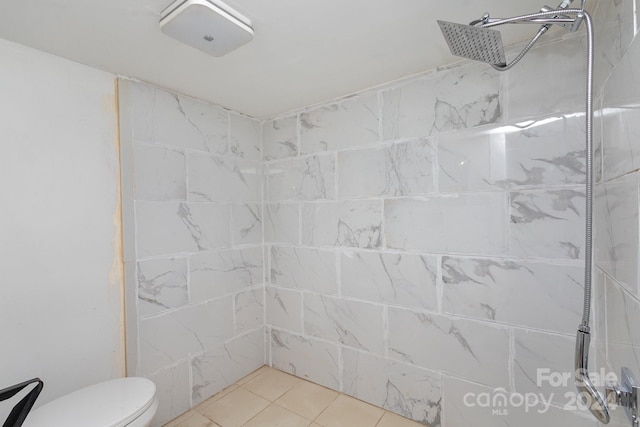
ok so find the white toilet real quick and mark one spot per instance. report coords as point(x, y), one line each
point(129, 402)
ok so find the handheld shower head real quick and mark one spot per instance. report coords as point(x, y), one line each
point(588, 393)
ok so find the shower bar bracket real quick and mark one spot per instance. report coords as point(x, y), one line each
point(625, 394)
point(573, 24)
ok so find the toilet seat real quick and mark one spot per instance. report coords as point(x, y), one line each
point(115, 403)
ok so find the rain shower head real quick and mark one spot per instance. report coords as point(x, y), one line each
point(477, 43)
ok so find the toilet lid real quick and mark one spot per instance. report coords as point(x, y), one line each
point(114, 403)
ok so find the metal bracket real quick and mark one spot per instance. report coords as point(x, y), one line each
point(546, 8)
point(626, 394)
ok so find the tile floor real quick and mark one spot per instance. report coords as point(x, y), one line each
point(271, 398)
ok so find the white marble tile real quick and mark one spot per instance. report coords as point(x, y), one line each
point(174, 336)
point(247, 223)
point(244, 137)
point(401, 169)
point(545, 152)
point(470, 405)
point(614, 30)
point(215, 178)
point(616, 240)
point(307, 358)
point(350, 123)
point(505, 291)
point(306, 178)
point(162, 285)
point(159, 173)
point(461, 408)
point(620, 91)
point(623, 334)
point(172, 391)
point(225, 364)
point(468, 349)
point(249, 310)
point(217, 273)
point(459, 98)
point(301, 268)
point(282, 223)
point(172, 227)
point(164, 118)
point(551, 79)
point(547, 224)
point(284, 309)
point(404, 389)
point(352, 323)
point(353, 223)
point(568, 415)
point(620, 137)
point(391, 278)
point(448, 224)
point(280, 138)
point(539, 361)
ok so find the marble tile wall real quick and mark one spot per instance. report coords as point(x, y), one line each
point(407, 245)
point(617, 238)
point(426, 239)
point(194, 255)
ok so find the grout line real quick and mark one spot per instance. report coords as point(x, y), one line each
point(380, 250)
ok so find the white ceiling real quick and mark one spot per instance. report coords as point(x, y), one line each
point(304, 52)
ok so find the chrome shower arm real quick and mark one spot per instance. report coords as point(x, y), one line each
point(549, 16)
point(545, 17)
point(543, 29)
point(492, 22)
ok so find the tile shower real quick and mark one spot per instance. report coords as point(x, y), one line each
point(406, 245)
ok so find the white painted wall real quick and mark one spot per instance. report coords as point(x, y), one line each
point(61, 290)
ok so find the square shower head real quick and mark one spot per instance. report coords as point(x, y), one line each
point(477, 43)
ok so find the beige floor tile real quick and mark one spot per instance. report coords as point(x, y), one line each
point(215, 398)
point(192, 419)
point(277, 416)
point(271, 384)
point(346, 411)
point(236, 408)
point(254, 374)
point(392, 420)
point(177, 421)
point(307, 399)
